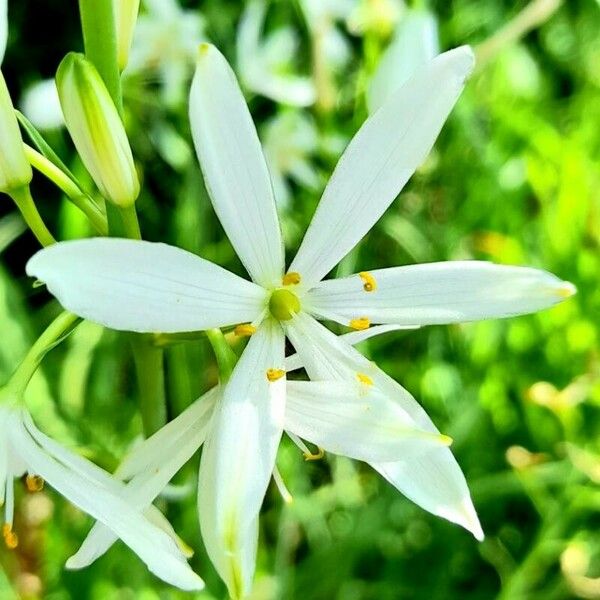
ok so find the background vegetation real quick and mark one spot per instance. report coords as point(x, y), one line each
point(513, 178)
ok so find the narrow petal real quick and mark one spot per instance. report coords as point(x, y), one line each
point(380, 159)
point(239, 457)
point(354, 419)
point(294, 362)
point(432, 479)
point(3, 27)
point(445, 292)
point(235, 170)
point(151, 544)
point(143, 286)
point(152, 464)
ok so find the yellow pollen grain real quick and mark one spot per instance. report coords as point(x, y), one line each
point(292, 278)
point(34, 483)
point(317, 456)
point(275, 374)
point(11, 539)
point(364, 379)
point(244, 330)
point(369, 282)
point(360, 323)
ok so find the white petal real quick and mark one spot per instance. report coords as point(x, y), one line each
point(438, 484)
point(239, 457)
point(152, 464)
point(234, 167)
point(143, 286)
point(379, 161)
point(354, 419)
point(294, 362)
point(151, 544)
point(445, 292)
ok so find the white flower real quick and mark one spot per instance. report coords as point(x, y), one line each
point(26, 450)
point(415, 43)
point(265, 64)
point(41, 105)
point(143, 286)
point(165, 41)
point(289, 140)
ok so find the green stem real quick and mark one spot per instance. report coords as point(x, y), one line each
point(24, 201)
point(131, 224)
point(79, 198)
point(100, 41)
point(149, 364)
point(52, 336)
point(226, 357)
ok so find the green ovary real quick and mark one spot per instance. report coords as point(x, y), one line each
point(284, 304)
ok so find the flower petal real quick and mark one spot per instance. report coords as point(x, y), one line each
point(379, 161)
point(3, 27)
point(234, 167)
point(150, 543)
point(445, 292)
point(433, 479)
point(354, 419)
point(152, 464)
point(239, 457)
point(143, 286)
point(294, 361)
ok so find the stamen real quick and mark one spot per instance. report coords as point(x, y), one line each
point(244, 330)
point(11, 539)
point(34, 483)
point(369, 282)
point(275, 374)
point(292, 278)
point(360, 323)
point(364, 379)
point(281, 487)
point(318, 456)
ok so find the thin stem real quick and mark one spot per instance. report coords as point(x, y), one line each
point(55, 333)
point(149, 364)
point(24, 201)
point(226, 357)
point(131, 224)
point(79, 198)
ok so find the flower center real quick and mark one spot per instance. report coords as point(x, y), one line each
point(284, 304)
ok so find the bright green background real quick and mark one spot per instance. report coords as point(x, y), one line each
point(514, 179)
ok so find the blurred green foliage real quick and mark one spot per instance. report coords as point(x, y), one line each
point(513, 178)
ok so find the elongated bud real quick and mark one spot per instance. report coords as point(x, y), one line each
point(15, 171)
point(97, 130)
point(126, 12)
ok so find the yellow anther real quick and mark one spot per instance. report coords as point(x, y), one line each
point(11, 539)
point(275, 374)
point(369, 282)
point(360, 324)
point(244, 330)
point(364, 379)
point(292, 278)
point(317, 456)
point(34, 483)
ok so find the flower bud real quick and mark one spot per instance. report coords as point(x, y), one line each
point(97, 130)
point(126, 12)
point(15, 171)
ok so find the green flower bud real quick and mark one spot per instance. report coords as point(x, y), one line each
point(97, 130)
point(126, 12)
point(15, 171)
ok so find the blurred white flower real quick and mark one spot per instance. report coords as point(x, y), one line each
point(375, 16)
point(289, 140)
point(415, 43)
point(41, 105)
point(265, 62)
point(165, 44)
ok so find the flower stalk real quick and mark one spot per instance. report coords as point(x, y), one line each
point(24, 201)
